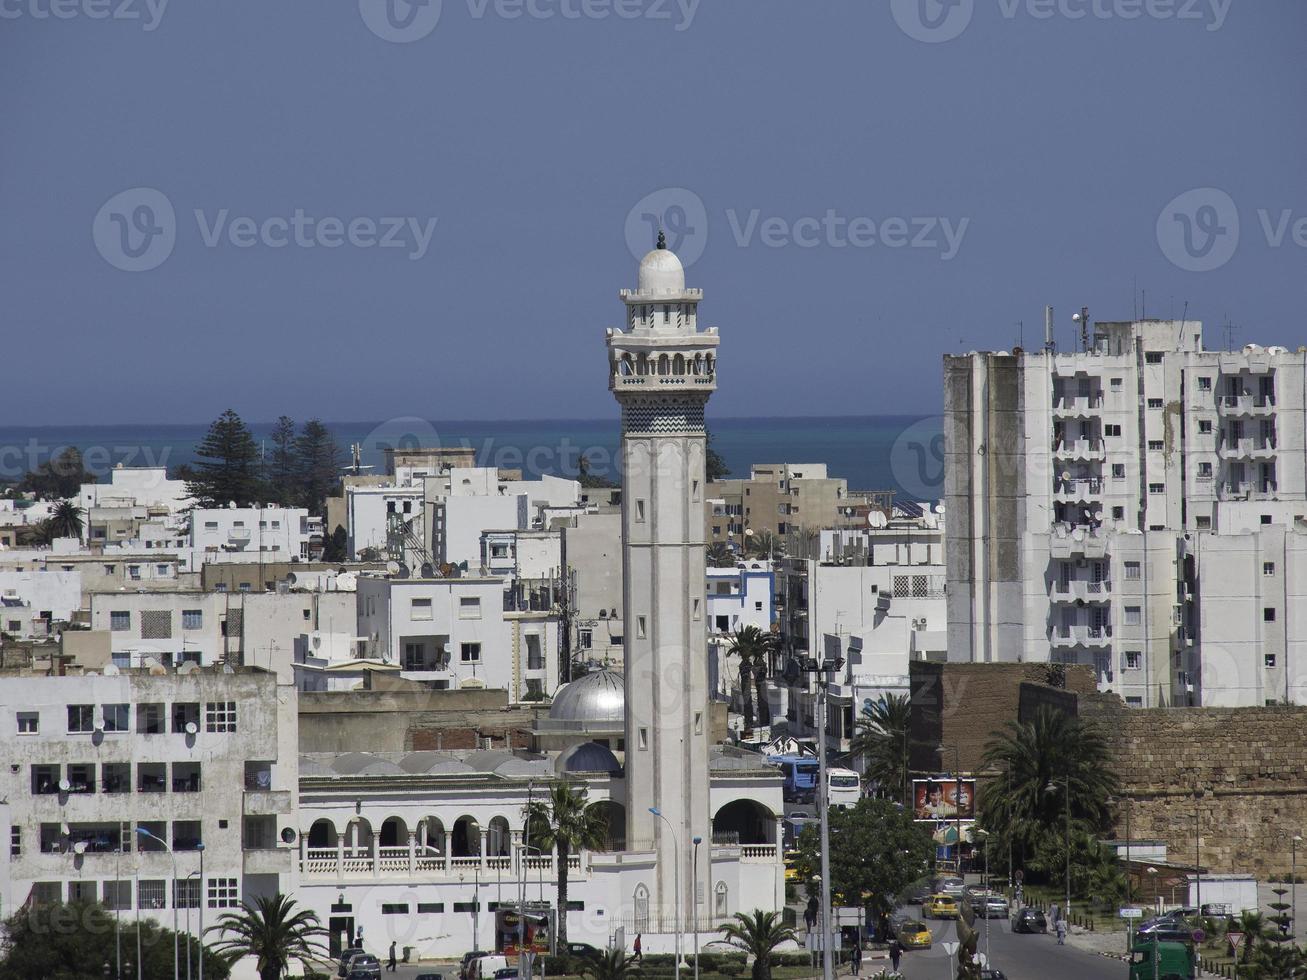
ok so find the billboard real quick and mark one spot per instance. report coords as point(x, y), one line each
point(944, 798)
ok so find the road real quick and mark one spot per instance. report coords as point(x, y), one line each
point(1020, 957)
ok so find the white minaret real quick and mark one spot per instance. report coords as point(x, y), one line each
point(662, 370)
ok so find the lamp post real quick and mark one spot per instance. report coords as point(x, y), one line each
point(677, 881)
point(1152, 873)
point(1294, 841)
point(1052, 787)
point(694, 905)
point(188, 930)
point(1129, 923)
point(176, 958)
point(200, 847)
point(957, 797)
point(984, 843)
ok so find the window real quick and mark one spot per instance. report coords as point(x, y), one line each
point(185, 713)
point(45, 779)
point(1132, 617)
point(1132, 570)
point(116, 777)
point(1116, 382)
point(1269, 660)
point(1157, 488)
point(1266, 518)
point(585, 639)
point(1118, 513)
point(469, 607)
point(535, 658)
point(1204, 427)
point(394, 908)
point(117, 717)
point(1134, 702)
point(152, 777)
point(1204, 384)
point(469, 653)
point(1154, 403)
point(223, 893)
point(149, 718)
point(1268, 615)
point(643, 739)
point(29, 722)
point(720, 904)
point(185, 777)
point(1155, 445)
point(81, 891)
point(1133, 660)
point(1203, 523)
point(467, 906)
point(186, 893)
point(120, 620)
point(639, 510)
point(15, 840)
point(185, 835)
point(431, 908)
point(47, 892)
point(419, 609)
point(151, 894)
point(1204, 471)
point(1268, 568)
point(134, 572)
point(117, 895)
point(1153, 357)
point(1112, 430)
point(81, 718)
point(639, 628)
point(220, 716)
point(192, 619)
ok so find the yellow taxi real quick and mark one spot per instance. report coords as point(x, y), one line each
point(913, 935)
point(791, 866)
point(940, 907)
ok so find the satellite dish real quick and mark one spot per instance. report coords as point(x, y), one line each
point(110, 670)
point(404, 572)
point(392, 567)
point(288, 835)
point(64, 786)
point(79, 847)
point(428, 570)
point(192, 728)
point(187, 667)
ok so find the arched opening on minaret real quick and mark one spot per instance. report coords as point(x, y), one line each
point(613, 815)
point(664, 365)
point(678, 364)
point(626, 366)
point(744, 822)
point(642, 366)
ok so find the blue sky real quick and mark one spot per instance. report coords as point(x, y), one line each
point(880, 182)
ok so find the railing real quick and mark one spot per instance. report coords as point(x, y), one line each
point(758, 852)
point(392, 858)
point(1073, 487)
point(1073, 447)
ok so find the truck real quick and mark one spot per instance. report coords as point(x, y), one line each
point(1154, 960)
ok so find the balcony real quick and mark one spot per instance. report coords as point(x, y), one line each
point(1246, 404)
point(1081, 636)
point(1246, 448)
point(1077, 489)
point(1082, 590)
point(1079, 543)
point(1078, 448)
point(401, 862)
point(1068, 406)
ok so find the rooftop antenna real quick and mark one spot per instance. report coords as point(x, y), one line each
point(1230, 330)
point(1049, 345)
point(1083, 319)
point(1021, 330)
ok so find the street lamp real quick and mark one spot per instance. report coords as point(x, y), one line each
point(1129, 923)
point(984, 842)
point(1152, 873)
point(176, 959)
point(677, 880)
point(1052, 787)
point(200, 847)
point(188, 929)
point(957, 796)
point(1294, 841)
point(694, 905)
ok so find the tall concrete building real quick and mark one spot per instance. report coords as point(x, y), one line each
point(1087, 491)
point(662, 370)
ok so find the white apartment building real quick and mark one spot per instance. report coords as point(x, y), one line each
point(375, 515)
point(115, 780)
point(740, 596)
point(592, 552)
point(1084, 488)
point(137, 486)
point(168, 628)
point(48, 595)
point(276, 533)
point(455, 633)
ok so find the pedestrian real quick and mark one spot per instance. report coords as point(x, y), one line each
point(637, 955)
point(856, 959)
point(1053, 913)
point(895, 953)
point(1061, 932)
point(390, 962)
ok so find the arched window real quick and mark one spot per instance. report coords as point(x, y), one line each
point(720, 902)
point(641, 923)
point(394, 833)
point(498, 837)
point(678, 364)
point(625, 366)
point(322, 834)
point(664, 364)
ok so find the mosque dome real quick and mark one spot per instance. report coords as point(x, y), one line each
point(661, 272)
point(588, 757)
point(597, 699)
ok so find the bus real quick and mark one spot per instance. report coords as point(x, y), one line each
point(800, 776)
point(843, 788)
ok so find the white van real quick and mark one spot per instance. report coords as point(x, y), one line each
point(483, 967)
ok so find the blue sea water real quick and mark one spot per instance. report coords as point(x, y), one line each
point(883, 452)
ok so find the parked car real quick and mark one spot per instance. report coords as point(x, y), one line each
point(940, 907)
point(1029, 920)
point(346, 957)
point(913, 935)
point(363, 965)
point(995, 907)
point(1167, 931)
point(584, 950)
point(506, 973)
point(482, 966)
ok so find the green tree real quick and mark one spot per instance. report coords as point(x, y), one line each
point(273, 931)
point(882, 743)
point(764, 544)
point(758, 934)
point(76, 941)
point(564, 822)
point(227, 465)
point(1040, 759)
point(612, 964)
point(720, 555)
point(714, 467)
point(282, 464)
point(318, 459)
point(66, 520)
point(1253, 926)
point(589, 479)
point(59, 477)
point(1274, 961)
point(752, 646)
point(876, 851)
point(336, 547)
point(1096, 872)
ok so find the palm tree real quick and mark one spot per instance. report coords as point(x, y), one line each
point(612, 964)
point(66, 520)
point(563, 821)
point(882, 742)
point(752, 646)
point(274, 932)
point(758, 934)
point(720, 555)
point(1044, 757)
point(1253, 926)
point(764, 544)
